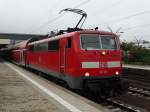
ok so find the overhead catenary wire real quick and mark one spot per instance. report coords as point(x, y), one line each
point(113, 21)
point(82, 3)
point(59, 16)
point(50, 21)
point(57, 2)
point(104, 9)
point(111, 6)
point(137, 26)
point(128, 17)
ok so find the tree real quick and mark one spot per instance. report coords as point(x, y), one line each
point(136, 54)
point(138, 41)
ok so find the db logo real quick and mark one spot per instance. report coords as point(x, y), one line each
point(103, 64)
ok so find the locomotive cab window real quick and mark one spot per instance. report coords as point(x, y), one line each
point(96, 42)
point(90, 42)
point(108, 42)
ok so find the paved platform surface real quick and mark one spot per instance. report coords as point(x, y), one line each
point(23, 91)
point(17, 96)
point(145, 67)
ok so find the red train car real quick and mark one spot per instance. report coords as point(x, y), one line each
point(83, 59)
point(17, 54)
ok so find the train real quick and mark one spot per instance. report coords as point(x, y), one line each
point(85, 59)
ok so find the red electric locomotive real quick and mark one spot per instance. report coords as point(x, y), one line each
point(84, 59)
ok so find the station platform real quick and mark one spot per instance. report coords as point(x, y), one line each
point(17, 96)
point(23, 91)
point(143, 67)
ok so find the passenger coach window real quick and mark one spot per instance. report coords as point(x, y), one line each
point(41, 47)
point(53, 45)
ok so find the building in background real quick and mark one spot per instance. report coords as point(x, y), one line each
point(4, 42)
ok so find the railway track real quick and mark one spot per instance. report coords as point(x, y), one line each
point(145, 92)
point(138, 78)
point(135, 83)
point(118, 106)
point(139, 83)
point(137, 74)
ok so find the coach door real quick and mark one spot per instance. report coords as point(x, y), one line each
point(62, 55)
point(21, 57)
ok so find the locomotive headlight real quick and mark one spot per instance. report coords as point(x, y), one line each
point(117, 73)
point(87, 74)
point(103, 53)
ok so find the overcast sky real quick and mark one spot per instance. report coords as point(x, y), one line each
point(41, 16)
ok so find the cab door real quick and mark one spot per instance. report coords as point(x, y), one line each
point(62, 55)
